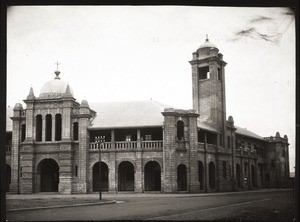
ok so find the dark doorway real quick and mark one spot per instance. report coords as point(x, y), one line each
point(201, 175)
point(238, 175)
point(253, 176)
point(126, 176)
point(104, 177)
point(49, 175)
point(8, 177)
point(212, 175)
point(181, 178)
point(152, 176)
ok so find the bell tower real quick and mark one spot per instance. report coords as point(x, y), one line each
point(208, 78)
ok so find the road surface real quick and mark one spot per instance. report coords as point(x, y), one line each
point(232, 206)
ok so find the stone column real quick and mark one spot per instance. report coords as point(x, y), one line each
point(16, 128)
point(138, 177)
point(53, 127)
point(112, 173)
point(194, 185)
point(43, 128)
point(27, 164)
point(169, 153)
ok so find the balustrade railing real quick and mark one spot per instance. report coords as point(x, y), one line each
point(152, 144)
point(125, 145)
point(103, 146)
point(120, 145)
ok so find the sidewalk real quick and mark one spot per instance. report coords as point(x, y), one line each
point(19, 202)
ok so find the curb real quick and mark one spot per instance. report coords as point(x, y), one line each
point(62, 206)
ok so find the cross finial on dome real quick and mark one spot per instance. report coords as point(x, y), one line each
point(57, 72)
point(206, 40)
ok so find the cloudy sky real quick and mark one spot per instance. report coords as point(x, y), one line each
point(141, 53)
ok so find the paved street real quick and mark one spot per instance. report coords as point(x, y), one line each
point(273, 206)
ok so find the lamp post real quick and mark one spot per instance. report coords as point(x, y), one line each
point(100, 141)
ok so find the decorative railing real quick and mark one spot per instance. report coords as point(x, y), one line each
point(211, 147)
point(103, 146)
point(152, 144)
point(200, 146)
point(123, 145)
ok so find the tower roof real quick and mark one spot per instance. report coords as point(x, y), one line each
point(55, 88)
point(207, 44)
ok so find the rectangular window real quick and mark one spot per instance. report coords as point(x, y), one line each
point(224, 169)
point(219, 74)
point(204, 73)
point(76, 171)
point(249, 146)
point(148, 137)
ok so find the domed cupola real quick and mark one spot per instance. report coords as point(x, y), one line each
point(204, 48)
point(55, 88)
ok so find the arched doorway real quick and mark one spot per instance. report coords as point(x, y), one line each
point(152, 176)
point(201, 175)
point(238, 175)
point(49, 175)
point(253, 176)
point(8, 177)
point(181, 178)
point(126, 176)
point(212, 175)
point(104, 177)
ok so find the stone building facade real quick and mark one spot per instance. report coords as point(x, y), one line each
point(147, 147)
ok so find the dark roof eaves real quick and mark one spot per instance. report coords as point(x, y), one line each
point(123, 127)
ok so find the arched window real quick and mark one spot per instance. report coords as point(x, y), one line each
point(38, 127)
point(201, 175)
point(23, 133)
point(48, 127)
point(75, 131)
point(58, 127)
point(211, 175)
point(180, 130)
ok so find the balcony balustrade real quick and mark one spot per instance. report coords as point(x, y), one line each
point(152, 144)
point(124, 145)
point(103, 146)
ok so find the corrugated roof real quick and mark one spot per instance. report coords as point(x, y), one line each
point(9, 113)
point(128, 114)
point(245, 132)
point(204, 126)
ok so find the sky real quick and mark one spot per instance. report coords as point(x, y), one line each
point(125, 53)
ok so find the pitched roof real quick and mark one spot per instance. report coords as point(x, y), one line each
point(128, 114)
point(204, 126)
point(248, 133)
point(9, 113)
